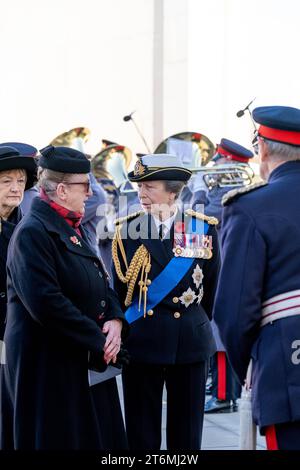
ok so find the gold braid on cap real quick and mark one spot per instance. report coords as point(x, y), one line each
point(141, 260)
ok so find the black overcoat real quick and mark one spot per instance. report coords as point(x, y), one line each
point(6, 230)
point(58, 298)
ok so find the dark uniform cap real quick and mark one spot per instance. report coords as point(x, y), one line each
point(23, 149)
point(232, 151)
point(278, 123)
point(64, 160)
point(108, 142)
point(153, 167)
point(11, 159)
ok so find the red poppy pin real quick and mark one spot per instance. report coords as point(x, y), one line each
point(75, 240)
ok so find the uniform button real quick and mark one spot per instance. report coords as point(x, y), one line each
point(175, 300)
point(101, 316)
point(150, 313)
point(2, 295)
point(100, 274)
point(176, 315)
point(102, 303)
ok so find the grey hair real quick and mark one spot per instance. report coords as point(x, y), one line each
point(48, 180)
point(174, 187)
point(280, 151)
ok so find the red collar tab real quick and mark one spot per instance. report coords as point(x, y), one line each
point(286, 137)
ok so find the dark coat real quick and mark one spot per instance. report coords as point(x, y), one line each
point(58, 298)
point(6, 231)
point(162, 338)
point(261, 247)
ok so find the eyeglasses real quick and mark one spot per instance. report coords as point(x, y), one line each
point(255, 142)
point(86, 183)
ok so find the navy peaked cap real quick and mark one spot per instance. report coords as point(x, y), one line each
point(233, 151)
point(278, 123)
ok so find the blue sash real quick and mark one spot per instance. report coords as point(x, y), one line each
point(169, 278)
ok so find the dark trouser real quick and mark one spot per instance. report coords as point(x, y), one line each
point(225, 386)
point(285, 436)
point(143, 389)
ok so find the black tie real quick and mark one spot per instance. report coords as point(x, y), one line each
point(161, 231)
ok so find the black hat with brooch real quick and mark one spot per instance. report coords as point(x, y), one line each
point(64, 160)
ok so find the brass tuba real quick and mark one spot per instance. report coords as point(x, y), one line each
point(197, 150)
point(112, 162)
point(74, 138)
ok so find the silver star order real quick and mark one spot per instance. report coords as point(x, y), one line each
point(197, 276)
point(188, 297)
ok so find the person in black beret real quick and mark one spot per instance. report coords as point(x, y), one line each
point(62, 316)
point(17, 173)
point(257, 306)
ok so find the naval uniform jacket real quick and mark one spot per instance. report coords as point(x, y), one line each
point(175, 333)
point(58, 299)
point(261, 259)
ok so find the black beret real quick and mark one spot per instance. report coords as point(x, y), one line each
point(64, 160)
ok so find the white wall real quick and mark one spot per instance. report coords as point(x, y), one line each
point(239, 50)
point(68, 63)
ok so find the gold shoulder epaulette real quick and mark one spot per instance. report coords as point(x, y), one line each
point(120, 220)
point(234, 193)
point(209, 219)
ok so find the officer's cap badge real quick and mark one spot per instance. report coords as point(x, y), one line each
point(139, 168)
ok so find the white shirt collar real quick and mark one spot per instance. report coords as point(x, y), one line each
point(167, 223)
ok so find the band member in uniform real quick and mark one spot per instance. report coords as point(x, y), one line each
point(59, 309)
point(225, 388)
point(165, 277)
point(257, 304)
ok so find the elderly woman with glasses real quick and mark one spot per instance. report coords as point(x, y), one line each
point(16, 174)
point(61, 315)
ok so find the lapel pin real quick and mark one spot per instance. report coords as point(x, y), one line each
point(75, 240)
